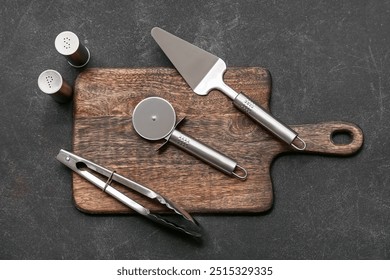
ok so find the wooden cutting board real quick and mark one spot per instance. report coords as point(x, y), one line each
point(103, 133)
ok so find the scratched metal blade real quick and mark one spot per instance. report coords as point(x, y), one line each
point(192, 62)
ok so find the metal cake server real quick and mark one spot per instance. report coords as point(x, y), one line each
point(204, 71)
point(179, 220)
point(154, 118)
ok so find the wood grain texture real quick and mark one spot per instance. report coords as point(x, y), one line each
point(103, 133)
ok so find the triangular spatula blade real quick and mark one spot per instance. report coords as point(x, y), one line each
point(192, 62)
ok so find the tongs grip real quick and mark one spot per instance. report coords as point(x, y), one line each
point(107, 188)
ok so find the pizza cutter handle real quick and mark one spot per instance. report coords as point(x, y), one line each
point(207, 154)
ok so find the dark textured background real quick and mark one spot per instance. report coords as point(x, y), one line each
point(329, 61)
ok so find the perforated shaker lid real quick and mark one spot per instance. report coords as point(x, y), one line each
point(50, 81)
point(67, 43)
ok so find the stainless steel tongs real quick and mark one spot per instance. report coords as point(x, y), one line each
point(181, 221)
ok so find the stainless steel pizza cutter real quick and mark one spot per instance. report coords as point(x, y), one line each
point(154, 118)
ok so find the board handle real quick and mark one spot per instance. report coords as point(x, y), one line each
point(322, 138)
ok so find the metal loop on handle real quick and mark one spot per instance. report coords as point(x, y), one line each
point(108, 181)
point(299, 148)
point(243, 170)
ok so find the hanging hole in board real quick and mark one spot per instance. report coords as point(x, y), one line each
point(341, 137)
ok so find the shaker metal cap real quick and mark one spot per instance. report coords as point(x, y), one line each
point(50, 81)
point(154, 118)
point(67, 43)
